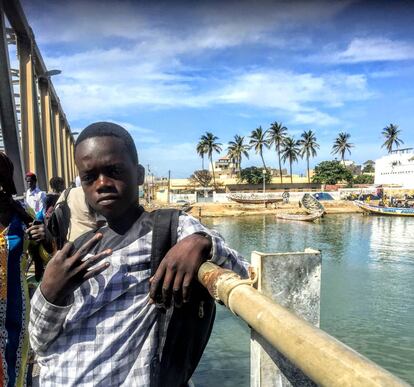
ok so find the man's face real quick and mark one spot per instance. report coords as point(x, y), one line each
point(109, 176)
point(30, 182)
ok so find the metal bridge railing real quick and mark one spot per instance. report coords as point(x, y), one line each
point(41, 140)
point(324, 359)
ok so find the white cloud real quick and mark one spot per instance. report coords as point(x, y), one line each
point(152, 66)
point(372, 49)
point(213, 24)
point(294, 93)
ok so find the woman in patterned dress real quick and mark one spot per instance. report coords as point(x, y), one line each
point(16, 228)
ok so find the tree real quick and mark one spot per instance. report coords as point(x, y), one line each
point(258, 141)
point(290, 151)
point(331, 172)
point(369, 166)
point(209, 139)
point(341, 145)
point(254, 175)
point(309, 146)
point(391, 133)
point(364, 179)
point(237, 149)
point(276, 135)
point(201, 151)
point(202, 177)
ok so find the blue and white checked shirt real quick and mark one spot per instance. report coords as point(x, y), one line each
point(107, 336)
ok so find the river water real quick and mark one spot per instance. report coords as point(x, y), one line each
point(367, 290)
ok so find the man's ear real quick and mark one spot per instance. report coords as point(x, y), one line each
point(141, 174)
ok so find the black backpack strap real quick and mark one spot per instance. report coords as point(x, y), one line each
point(164, 235)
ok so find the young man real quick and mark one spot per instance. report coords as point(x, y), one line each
point(35, 198)
point(94, 321)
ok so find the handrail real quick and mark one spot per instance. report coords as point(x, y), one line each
point(324, 359)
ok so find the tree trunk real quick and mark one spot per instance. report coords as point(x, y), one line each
point(291, 177)
point(214, 175)
point(202, 163)
point(307, 160)
point(280, 164)
point(264, 165)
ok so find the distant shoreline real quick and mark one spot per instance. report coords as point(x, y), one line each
point(216, 210)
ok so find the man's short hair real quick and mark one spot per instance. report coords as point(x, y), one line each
point(109, 129)
point(57, 183)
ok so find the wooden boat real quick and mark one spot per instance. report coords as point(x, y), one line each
point(311, 205)
point(301, 217)
point(390, 211)
point(253, 199)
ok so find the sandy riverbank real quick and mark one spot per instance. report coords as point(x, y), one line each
point(236, 209)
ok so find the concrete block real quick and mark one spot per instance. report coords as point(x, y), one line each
point(293, 281)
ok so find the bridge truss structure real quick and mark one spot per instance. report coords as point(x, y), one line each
point(35, 133)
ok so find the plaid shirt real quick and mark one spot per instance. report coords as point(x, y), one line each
point(108, 335)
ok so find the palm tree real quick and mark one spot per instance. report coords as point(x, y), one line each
point(201, 151)
point(237, 149)
point(341, 145)
point(276, 134)
point(290, 151)
point(309, 146)
point(258, 141)
point(391, 133)
point(209, 139)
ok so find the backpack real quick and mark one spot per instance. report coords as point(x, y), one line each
point(59, 221)
point(190, 325)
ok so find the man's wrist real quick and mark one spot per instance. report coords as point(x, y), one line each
point(207, 240)
point(55, 299)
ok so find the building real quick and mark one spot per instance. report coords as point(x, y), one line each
point(225, 167)
point(396, 168)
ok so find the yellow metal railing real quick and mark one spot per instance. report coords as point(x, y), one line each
point(42, 142)
point(324, 359)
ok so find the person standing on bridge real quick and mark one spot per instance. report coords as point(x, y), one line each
point(20, 241)
point(102, 314)
point(35, 197)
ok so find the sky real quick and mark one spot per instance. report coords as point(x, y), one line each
point(170, 71)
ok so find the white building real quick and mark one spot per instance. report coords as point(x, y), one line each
point(396, 168)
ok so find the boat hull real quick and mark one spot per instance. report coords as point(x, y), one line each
point(311, 205)
point(254, 201)
point(388, 211)
point(298, 217)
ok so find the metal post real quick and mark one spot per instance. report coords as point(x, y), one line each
point(58, 143)
point(72, 154)
point(8, 117)
point(169, 182)
point(26, 104)
point(30, 120)
point(47, 126)
point(69, 156)
point(65, 155)
point(148, 185)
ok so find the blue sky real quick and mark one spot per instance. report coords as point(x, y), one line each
point(170, 71)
